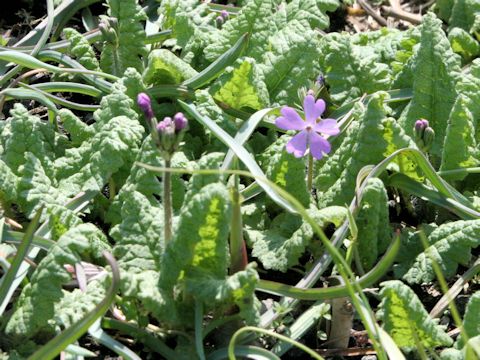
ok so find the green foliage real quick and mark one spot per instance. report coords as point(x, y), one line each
point(368, 142)
point(433, 70)
point(450, 245)
point(80, 49)
point(351, 70)
point(374, 232)
point(463, 43)
point(164, 67)
point(463, 14)
point(285, 170)
point(406, 320)
point(241, 86)
point(313, 11)
point(471, 319)
point(200, 239)
point(128, 48)
point(280, 246)
point(35, 308)
point(78, 130)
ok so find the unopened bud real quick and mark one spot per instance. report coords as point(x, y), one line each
point(320, 80)
point(311, 92)
point(145, 104)
point(180, 121)
point(219, 21)
point(428, 137)
point(424, 134)
point(224, 14)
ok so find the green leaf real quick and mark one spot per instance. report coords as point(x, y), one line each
point(435, 68)
point(460, 148)
point(246, 21)
point(351, 70)
point(24, 132)
point(130, 36)
point(471, 319)
point(463, 43)
point(139, 180)
point(450, 245)
point(406, 320)
point(77, 129)
point(463, 14)
point(221, 294)
point(36, 189)
point(8, 183)
point(374, 232)
point(241, 86)
point(89, 166)
point(285, 170)
point(290, 62)
point(164, 67)
point(80, 48)
point(35, 307)
point(280, 246)
point(200, 241)
point(366, 143)
point(313, 11)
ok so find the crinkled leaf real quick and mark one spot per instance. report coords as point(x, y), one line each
point(200, 241)
point(241, 86)
point(351, 70)
point(435, 68)
point(89, 166)
point(450, 245)
point(290, 62)
point(8, 183)
point(374, 232)
point(129, 47)
point(285, 170)
point(313, 11)
point(164, 67)
point(76, 128)
point(81, 49)
point(471, 319)
point(463, 14)
point(36, 304)
point(280, 246)
point(406, 320)
point(463, 43)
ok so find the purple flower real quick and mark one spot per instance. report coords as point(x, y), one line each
point(166, 126)
point(310, 128)
point(180, 121)
point(224, 14)
point(144, 103)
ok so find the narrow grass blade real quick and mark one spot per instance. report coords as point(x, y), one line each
point(240, 152)
point(28, 94)
point(218, 66)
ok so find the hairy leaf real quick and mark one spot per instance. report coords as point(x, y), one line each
point(164, 67)
point(81, 49)
point(374, 231)
point(77, 129)
point(313, 11)
point(463, 14)
point(406, 320)
point(471, 319)
point(435, 68)
point(351, 70)
point(285, 170)
point(8, 183)
point(450, 245)
point(463, 43)
point(241, 86)
point(36, 304)
point(128, 48)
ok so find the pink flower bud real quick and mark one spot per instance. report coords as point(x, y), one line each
point(144, 103)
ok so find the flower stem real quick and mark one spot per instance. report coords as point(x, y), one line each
point(238, 251)
point(167, 203)
point(310, 172)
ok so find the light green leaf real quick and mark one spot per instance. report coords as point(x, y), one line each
point(241, 86)
point(36, 304)
point(450, 245)
point(374, 232)
point(313, 11)
point(406, 320)
point(200, 241)
point(286, 170)
point(77, 129)
point(463, 43)
point(8, 183)
point(290, 62)
point(463, 14)
point(80, 48)
point(164, 67)
point(351, 70)
point(435, 68)
point(471, 319)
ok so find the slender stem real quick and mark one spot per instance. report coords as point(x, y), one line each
point(310, 172)
point(238, 251)
point(167, 202)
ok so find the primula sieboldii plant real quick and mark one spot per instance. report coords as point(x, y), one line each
point(311, 129)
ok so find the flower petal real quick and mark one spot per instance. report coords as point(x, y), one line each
point(318, 146)
point(327, 126)
point(298, 144)
point(313, 109)
point(290, 120)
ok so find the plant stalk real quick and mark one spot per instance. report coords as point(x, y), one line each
point(167, 203)
point(310, 172)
